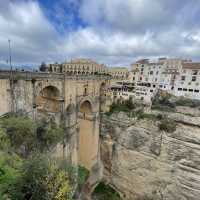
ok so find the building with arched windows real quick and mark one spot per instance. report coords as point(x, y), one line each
point(79, 66)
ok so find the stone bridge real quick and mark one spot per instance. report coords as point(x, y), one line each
point(75, 101)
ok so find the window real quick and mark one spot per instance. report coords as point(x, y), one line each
point(196, 90)
point(194, 78)
point(141, 78)
point(151, 90)
point(151, 72)
point(133, 78)
point(182, 78)
point(157, 72)
point(190, 90)
point(180, 89)
point(194, 72)
point(85, 91)
point(154, 86)
point(156, 79)
point(184, 89)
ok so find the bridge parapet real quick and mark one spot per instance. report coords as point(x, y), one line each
point(5, 74)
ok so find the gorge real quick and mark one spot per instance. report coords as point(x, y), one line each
point(143, 162)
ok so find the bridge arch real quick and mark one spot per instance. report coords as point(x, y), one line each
point(48, 99)
point(86, 107)
point(88, 134)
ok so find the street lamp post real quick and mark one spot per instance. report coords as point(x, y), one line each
point(11, 77)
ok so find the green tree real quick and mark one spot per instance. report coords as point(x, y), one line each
point(48, 134)
point(26, 169)
point(26, 136)
point(9, 172)
point(41, 179)
point(4, 141)
point(20, 132)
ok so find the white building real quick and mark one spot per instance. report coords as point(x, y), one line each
point(125, 90)
point(187, 82)
point(176, 76)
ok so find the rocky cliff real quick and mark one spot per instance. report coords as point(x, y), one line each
point(142, 162)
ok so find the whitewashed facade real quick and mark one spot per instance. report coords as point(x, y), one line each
point(176, 76)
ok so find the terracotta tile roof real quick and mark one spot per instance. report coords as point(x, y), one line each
point(143, 61)
point(153, 63)
point(191, 65)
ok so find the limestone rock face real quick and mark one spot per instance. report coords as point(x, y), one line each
point(142, 162)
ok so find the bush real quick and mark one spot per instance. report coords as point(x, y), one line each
point(26, 136)
point(163, 100)
point(129, 104)
point(9, 172)
point(25, 172)
point(41, 179)
point(188, 102)
point(20, 130)
point(105, 192)
point(167, 125)
point(163, 108)
point(117, 108)
point(147, 116)
point(83, 174)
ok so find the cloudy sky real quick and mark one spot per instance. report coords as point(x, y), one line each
point(114, 32)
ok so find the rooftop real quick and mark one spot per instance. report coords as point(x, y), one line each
point(191, 65)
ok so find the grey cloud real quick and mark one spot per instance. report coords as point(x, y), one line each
point(32, 36)
point(118, 31)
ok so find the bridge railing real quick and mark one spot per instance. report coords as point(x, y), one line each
point(5, 74)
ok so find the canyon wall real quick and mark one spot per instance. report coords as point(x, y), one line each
point(144, 163)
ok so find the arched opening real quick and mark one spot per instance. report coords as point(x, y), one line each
point(86, 107)
point(104, 191)
point(48, 100)
point(88, 139)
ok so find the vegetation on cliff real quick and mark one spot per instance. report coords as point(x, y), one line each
point(105, 192)
point(168, 102)
point(26, 168)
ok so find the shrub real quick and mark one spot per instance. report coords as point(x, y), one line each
point(129, 104)
point(163, 108)
point(20, 131)
point(105, 192)
point(167, 125)
point(83, 174)
point(41, 179)
point(147, 116)
point(25, 136)
point(31, 176)
point(9, 172)
point(159, 116)
point(118, 108)
point(188, 102)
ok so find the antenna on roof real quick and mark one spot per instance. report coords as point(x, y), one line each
point(10, 59)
